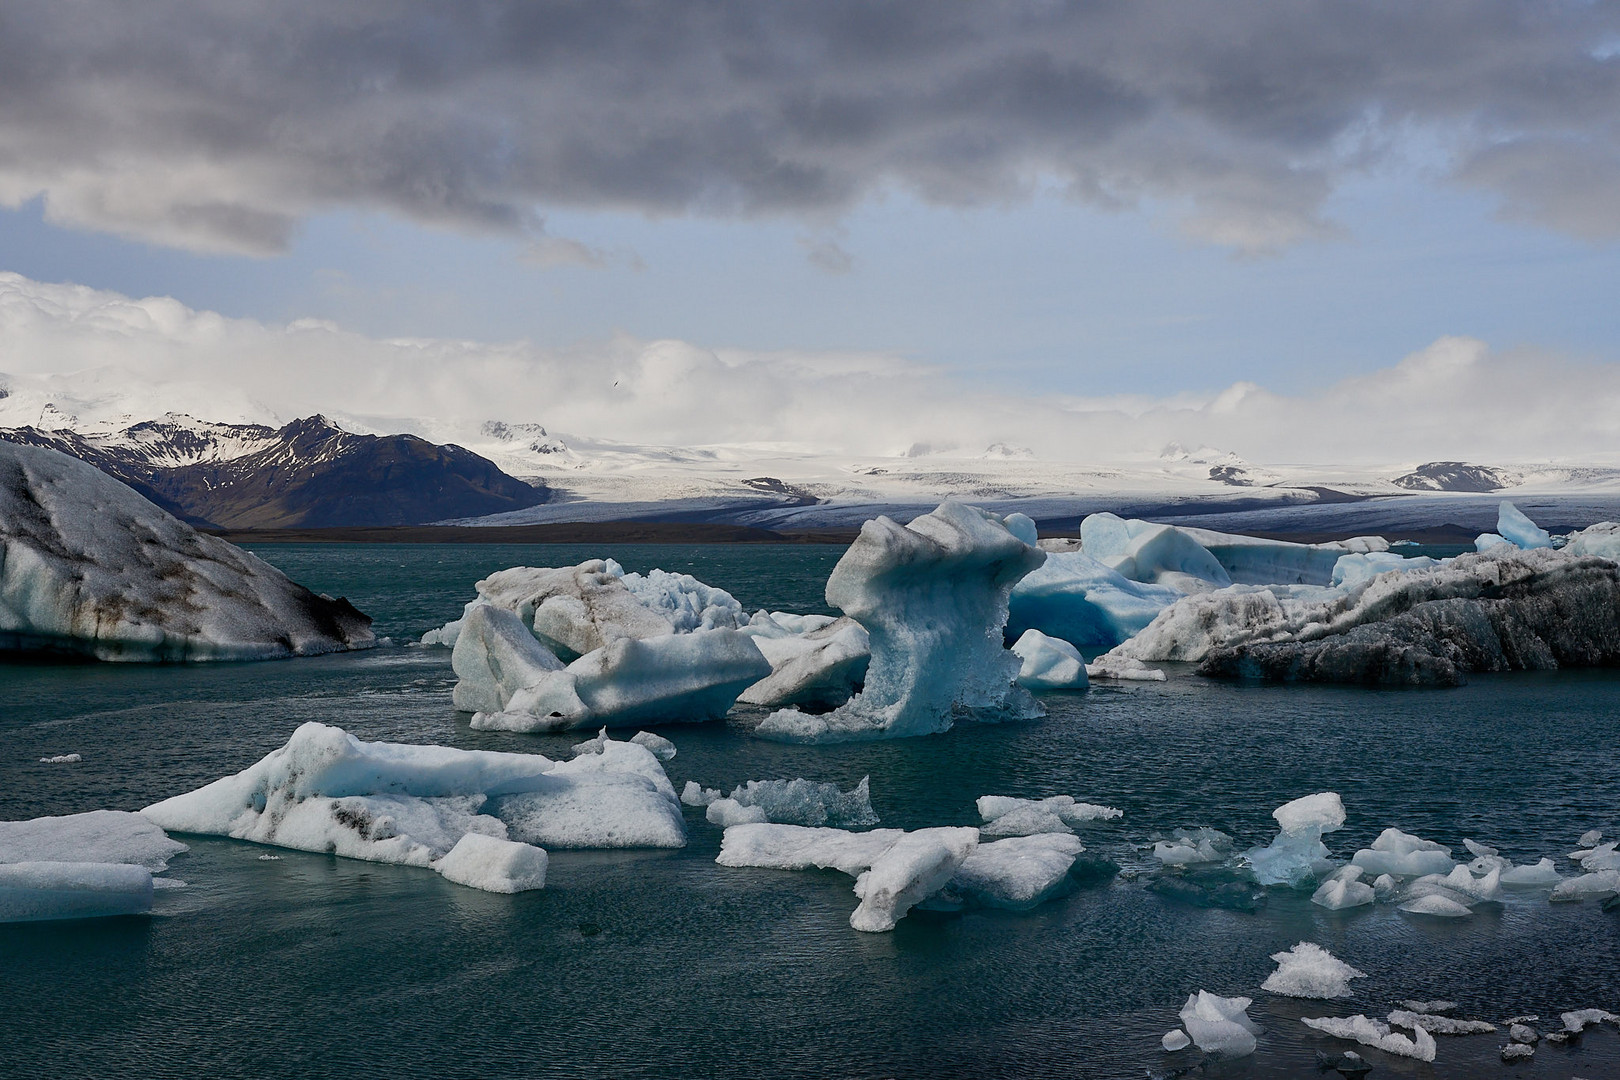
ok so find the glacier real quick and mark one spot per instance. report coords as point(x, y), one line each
point(933, 598)
point(90, 568)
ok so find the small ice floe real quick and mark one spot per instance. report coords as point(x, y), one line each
point(1123, 669)
point(61, 759)
point(1524, 1033)
point(662, 748)
point(1598, 857)
point(1579, 1020)
point(1343, 889)
point(1590, 838)
point(1348, 1064)
point(1435, 1007)
point(269, 858)
point(1376, 1034)
point(1175, 1040)
point(1536, 874)
point(1220, 1026)
point(792, 802)
point(1518, 1052)
point(1401, 854)
point(33, 891)
point(1599, 883)
point(1007, 816)
point(1297, 854)
point(695, 794)
point(1438, 1025)
point(1189, 847)
point(494, 865)
point(1437, 905)
point(1310, 971)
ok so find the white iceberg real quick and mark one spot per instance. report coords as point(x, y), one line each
point(1148, 552)
point(495, 656)
point(1597, 883)
point(100, 836)
point(1602, 540)
point(1175, 1040)
point(1048, 663)
point(1192, 847)
point(494, 865)
point(1019, 872)
point(1220, 1026)
point(1541, 872)
point(918, 865)
point(795, 847)
point(794, 802)
point(1437, 904)
point(677, 678)
point(820, 665)
point(684, 601)
point(933, 597)
point(327, 791)
point(34, 891)
point(1297, 854)
point(1376, 1034)
point(1310, 971)
point(90, 568)
point(1007, 816)
point(1123, 669)
point(1401, 854)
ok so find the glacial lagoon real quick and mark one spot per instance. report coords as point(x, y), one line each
point(662, 964)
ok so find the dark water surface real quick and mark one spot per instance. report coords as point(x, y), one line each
point(663, 964)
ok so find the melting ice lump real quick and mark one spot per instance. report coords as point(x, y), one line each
point(1297, 854)
point(1006, 816)
point(1401, 854)
point(1344, 889)
point(1019, 872)
point(933, 598)
point(1602, 540)
point(1192, 847)
point(1220, 1025)
point(1048, 663)
point(793, 802)
point(327, 791)
point(1376, 1034)
point(494, 656)
point(672, 678)
point(1310, 971)
point(90, 568)
point(687, 603)
point(33, 891)
point(915, 867)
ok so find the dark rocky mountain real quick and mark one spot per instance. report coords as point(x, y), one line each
point(1454, 476)
point(308, 474)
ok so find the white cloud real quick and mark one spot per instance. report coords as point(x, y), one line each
point(103, 354)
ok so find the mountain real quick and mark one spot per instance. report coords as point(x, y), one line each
point(308, 474)
point(1455, 476)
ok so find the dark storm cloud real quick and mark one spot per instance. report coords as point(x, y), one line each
point(222, 124)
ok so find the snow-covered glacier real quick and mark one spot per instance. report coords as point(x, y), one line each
point(413, 805)
point(1504, 609)
point(90, 568)
point(933, 597)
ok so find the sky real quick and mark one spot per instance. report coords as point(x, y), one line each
point(1081, 227)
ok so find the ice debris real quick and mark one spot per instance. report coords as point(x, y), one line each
point(89, 568)
point(62, 759)
point(794, 802)
point(1048, 663)
point(1123, 669)
point(1376, 1034)
point(1007, 816)
point(932, 595)
point(327, 791)
point(1438, 1025)
point(1310, 971)
point(1297, 855)
point(1188, 847)
point(1175, 1040)
point(1220, 1026)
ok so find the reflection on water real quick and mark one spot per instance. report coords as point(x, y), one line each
point(663, 964)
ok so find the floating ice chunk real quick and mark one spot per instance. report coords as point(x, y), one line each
point(1464, 883)
point(1018, 873)
point(1601, 857)
point(1188, 847)
point(1602, 540)
point(1297, 854)
point(593, 745)
point(1357, 569)
point(684, 601)
point(1124, 669)
point(933, 597)
point(798, 802)
point(1006, 816)
point(821, 666)
point(574, 610)
point(1597, 883)
point(1514, 1051)
point(1485, 541)
point(1516, 528)
point(1049, 663)
point(662, 748)
point(1524, 1033)
point(675, 678)
point(619, 798)
point(1438, 1025)
point(918, 865)
point(728, 812)
point(93, 569)
point(1175, 1040)
point(694, 794)
point(62, 759)
point(1478, 850)
point(1436, 904)
point(1075, 597)
point(1590, 838)
point(100, 836)
point(1310, 971)
point(1401, 854)
point(1220, 1026)
point(795, 847)
point(494, 865)
point(33, 891)
point(1344, 889)
point(1376, 1034)
point(1579, 1020)
point(1429, 1006)
point(495, 656)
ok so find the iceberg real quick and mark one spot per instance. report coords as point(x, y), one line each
point(1006, 816)
point(676, 678)
point(1297, 854)
point(1079, 599)
point(1048, 663)
point(1220, 1026)
point(1514, 527)
point(90, 568)
point(1601, 540)
point(1542, 872)
point(495, 656)
point(494, 865)
point(327, 791)
point(1376, 1034)
point(1310, 971)
point(818, 665)
point(1018, 873)
point(100, 836)
point(36, 891)
point(933, 597)
point(794, 802)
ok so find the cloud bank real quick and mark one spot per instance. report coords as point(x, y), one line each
point(100, 355)
point(220, 126)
